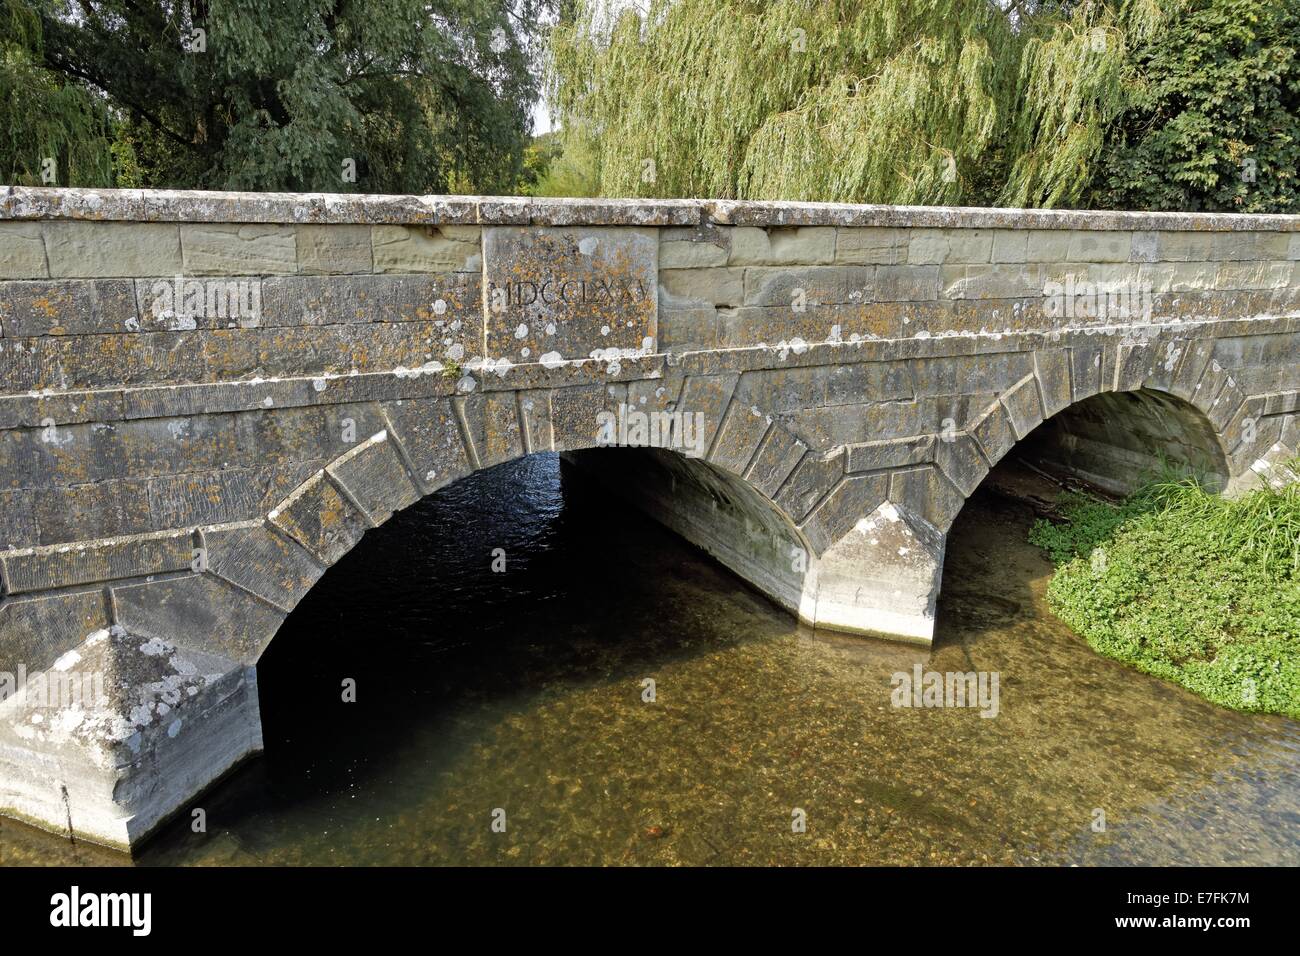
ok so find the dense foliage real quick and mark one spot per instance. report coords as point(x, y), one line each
point(1189, 586)
point(1168, 104)
point(340, 95)
point(1214, 123)
point(50, 126)
point(914, 101)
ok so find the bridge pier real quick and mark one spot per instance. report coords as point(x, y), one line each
point(120, 733)
point(880, 579)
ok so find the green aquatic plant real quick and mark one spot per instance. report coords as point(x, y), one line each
point(1187, 585)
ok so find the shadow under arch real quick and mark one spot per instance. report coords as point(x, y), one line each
point(550, 618)
point(1118, 440)
point(331, 513)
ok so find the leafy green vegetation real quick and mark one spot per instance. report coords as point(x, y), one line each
point(1139, 104)
point(1187, 585)
point(1214, 122)
point(50, 127)
point(403, 96)
point(940, 101)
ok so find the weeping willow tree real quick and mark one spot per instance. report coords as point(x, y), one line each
point(903, 101)
point(52, 131)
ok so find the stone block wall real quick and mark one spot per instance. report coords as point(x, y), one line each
point(206, 399)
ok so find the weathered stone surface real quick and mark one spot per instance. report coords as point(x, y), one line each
point(262, 562)
point(230, 494)
point(743, 428)
point(811, 480)
point(959, 457)
point(689, 329)
point(22, 251)
point(799, 289)
point(705, 397)
point(993, 432)
point(491, 421)
point(36, 630)
point(691, 255)
point(20, 203)
point(886, 247)
point(942, 246)
point(843, 507)
point(890, 453)
point(808, 245)
point(1093, 246)
point(179, 304)
point(17, 518)
point(548, 289)
point(230, 249)
point(103, 250)
point(198, 608)
point(1024, 407)
point(694, 288)
point(320, 519)
point(835, 381)
point(782, 327)
point(77, 307)
point(576, 414)
point(882, 578)
point(430, 437)
point(907, 283)
point(86, 512)
point(775, 459)
point(426, 249)
point(451, 303)
point(109, 768)
point(109, 559)
point(536, 429)
point(992, 282)
point(334, 250)
point(374, 476)
point(1053, 371)
point(58, 457)
point(1009, 246)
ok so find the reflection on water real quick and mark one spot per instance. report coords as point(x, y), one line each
point(522, 690)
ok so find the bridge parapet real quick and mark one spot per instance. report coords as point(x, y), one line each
point(206, 399)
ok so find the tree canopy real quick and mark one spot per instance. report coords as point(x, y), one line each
point(1214, 119)
point(340, 95)
point(917, 101)
point(1017, 103)
point(51, 129)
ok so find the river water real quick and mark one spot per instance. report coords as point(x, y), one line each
point(517, 695)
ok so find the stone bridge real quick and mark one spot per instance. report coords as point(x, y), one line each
point(206, 399)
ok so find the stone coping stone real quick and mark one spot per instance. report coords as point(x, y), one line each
point(165, 205)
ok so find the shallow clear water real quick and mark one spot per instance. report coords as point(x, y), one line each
point(522, 691)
